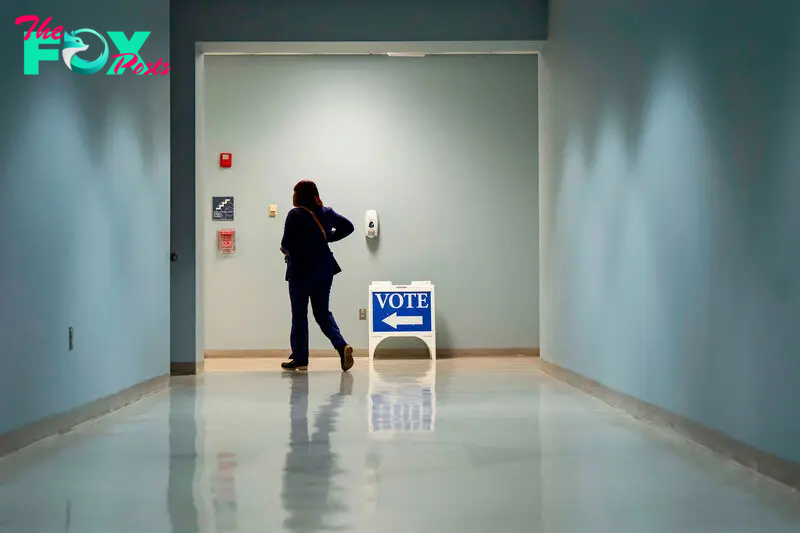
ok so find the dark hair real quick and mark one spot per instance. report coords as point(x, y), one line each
point(306, 194)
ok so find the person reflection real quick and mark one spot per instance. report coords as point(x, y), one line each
point(183, 455)
point(308, 494)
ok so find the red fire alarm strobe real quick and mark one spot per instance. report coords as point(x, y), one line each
point(225, 160)
point(226, 241)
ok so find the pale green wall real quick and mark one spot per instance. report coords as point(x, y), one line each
point(444, 148)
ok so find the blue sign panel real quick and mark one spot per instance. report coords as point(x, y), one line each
point(222, 208)
point(401, 312)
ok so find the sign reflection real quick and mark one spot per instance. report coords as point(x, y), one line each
point(402, 397)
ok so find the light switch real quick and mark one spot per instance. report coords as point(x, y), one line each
point(273, 210)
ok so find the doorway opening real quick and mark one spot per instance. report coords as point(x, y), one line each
point(402, 128)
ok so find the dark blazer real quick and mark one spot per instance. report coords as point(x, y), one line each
point(308, 254)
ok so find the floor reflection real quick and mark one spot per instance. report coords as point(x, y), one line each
point(310, 496)
point(402, 396)
point(183, 458)
point(68, 520)
point(223, 488)
point(372, 478)
point(512, 450)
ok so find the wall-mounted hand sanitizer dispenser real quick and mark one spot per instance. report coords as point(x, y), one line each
point(371, 224)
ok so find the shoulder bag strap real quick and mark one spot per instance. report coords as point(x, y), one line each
point(321, 228)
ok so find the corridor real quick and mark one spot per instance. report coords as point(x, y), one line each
point(469, 445)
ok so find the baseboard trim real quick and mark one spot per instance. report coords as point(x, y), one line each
point(192, 368)
point(481, 352)
point(63, 423)
point(781, 470)
point(260, 354)
point(410, 353)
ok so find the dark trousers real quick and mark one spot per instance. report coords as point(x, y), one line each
point(319, 293)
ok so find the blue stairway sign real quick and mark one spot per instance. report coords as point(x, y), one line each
point(401, 311)
point(222, 208)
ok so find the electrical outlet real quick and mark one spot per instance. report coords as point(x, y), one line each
point(362, 314)
point(71, 338)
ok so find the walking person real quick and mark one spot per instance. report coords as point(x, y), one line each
point(310, 268)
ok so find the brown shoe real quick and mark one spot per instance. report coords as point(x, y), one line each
point(346, 357)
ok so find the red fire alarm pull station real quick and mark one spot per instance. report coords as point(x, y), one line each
point(226, 241)
point(225, 160)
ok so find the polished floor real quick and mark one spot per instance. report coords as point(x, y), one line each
point(484, 446)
